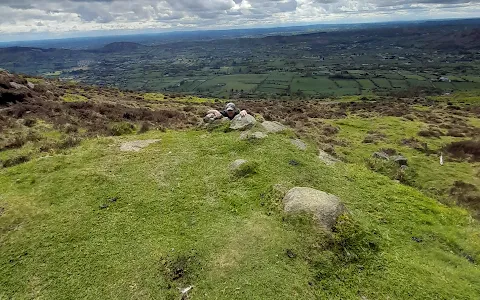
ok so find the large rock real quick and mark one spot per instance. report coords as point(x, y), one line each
point(236, 164)
point(242, 123)
point(325, 207)
point(273, 127)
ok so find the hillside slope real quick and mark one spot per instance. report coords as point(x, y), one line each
point(79, 218)
point(99, 223)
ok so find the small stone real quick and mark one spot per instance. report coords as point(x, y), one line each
point(416, 239)
point(299, 144)
point(290, 253)
point(247, 135)
point(381, 155)
point(30, 85)
point(293, 162)
point(327, 158)
point(258, 135)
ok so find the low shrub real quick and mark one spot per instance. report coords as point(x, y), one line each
point(121, 128)
point(69, 142)
point(14, 143)
point(10, 162)
point(431, 132)
point(349, 246)
point(144, 127)
point(391, 169)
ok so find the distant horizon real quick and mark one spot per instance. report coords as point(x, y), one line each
point(129, 33)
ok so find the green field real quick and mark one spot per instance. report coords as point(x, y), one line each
point(382, 83)
point(398, 84)
point(414, 82)
point(315, 85)
point(226, 83)
point(366, 84)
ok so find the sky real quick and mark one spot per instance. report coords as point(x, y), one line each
point(27, 19)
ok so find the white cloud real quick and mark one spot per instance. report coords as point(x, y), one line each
point(59, 16)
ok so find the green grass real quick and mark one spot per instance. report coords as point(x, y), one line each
point(444, 85)
point(470, 97)
point(35, 80)
point(74, 98)
point(412, 76)
point(415, 82)
point(467, 86)
point(177, 203)
point(366, 84)
point(396, 129)
point(382, 83)
point(398, 84)
point(54, 74)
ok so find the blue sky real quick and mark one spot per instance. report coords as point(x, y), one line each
point(25, 19)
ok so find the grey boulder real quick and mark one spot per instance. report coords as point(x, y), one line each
point(273, 127)
point(242, 123)
point(236, 164)
point(17, 86)
point(381, 155)
point(325, 207)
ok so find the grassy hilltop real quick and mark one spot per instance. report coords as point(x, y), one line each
point(81, 219)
